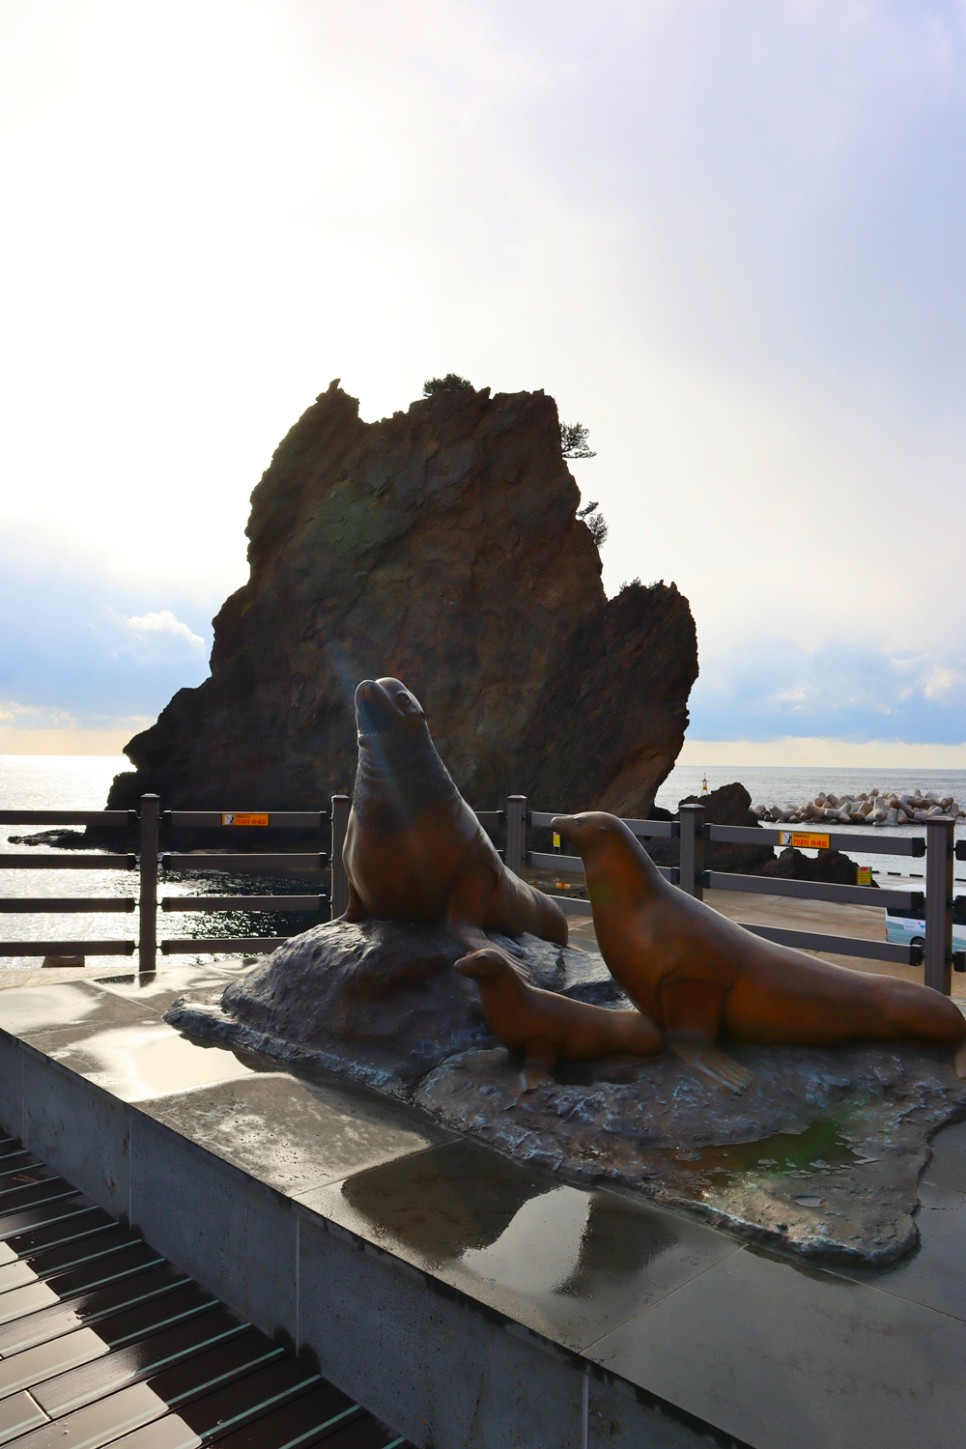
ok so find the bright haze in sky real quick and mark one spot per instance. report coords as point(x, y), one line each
point(727, 238)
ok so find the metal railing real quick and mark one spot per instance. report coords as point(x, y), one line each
point(693, 833)
point(152, 863)
point(935, 904)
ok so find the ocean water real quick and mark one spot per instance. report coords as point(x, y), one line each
point(81, 782)
point(786, 785)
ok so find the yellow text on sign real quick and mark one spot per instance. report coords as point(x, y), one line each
point(803, 839)
point(236, 817)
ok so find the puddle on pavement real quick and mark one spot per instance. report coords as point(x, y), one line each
point(821, 1151)
point(139, 1062)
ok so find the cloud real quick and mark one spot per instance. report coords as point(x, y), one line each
point(81, 651)
point(163, 622)
point(776, 688)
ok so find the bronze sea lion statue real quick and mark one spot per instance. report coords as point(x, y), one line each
point(547, 1028)
point(414, 850)
point(701, 976)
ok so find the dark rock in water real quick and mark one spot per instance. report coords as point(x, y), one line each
point(728, 805)
point(731, 805)
point(821, 1154)
point(440, 546)
point(830, 866)
point(53, 839)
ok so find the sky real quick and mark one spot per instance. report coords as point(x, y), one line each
point(727, 236)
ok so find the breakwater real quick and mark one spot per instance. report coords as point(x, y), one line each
point(869, 807)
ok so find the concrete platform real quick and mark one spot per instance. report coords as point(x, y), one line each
point(466, 1300)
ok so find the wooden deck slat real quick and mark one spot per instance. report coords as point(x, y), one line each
point(107, 1308)
point(124, 1260)
point(19, 1413)
point(86, 1221)
point(45, 1215)
point(103, 1343)
point(136, 1361)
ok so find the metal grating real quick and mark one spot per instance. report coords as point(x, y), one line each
point(103, 1342)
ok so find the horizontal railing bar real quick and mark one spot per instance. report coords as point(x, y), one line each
point(52, 905)
point(815, 890)
point(41, 860)
point(67, 948)
point(840, 945)
point(236, 819)
point(113, 818)
point(175, 860)
point(654, 829)
point(573, 905)
point(838, 839)
point(233, 944)
point(244, 903)
point(565, 864)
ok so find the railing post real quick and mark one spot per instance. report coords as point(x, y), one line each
point(692, 850)
point(516, 833)
point(938, 957)
point(148, 899)
point(339, 881)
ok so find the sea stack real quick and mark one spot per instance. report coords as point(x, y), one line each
point(441, 546)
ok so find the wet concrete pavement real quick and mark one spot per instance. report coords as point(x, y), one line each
point(465, 1298)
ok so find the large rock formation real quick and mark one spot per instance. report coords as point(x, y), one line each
point(440, 546)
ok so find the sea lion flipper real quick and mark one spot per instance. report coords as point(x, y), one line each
point(712, 1063)
point(693, 1010)
point(539, 1059)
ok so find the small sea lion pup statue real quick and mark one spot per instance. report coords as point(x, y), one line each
point(414, 850)
point(547, 1028)
point(701, 976)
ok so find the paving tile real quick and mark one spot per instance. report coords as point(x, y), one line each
point(141, 1058)
point(778, 1355)
point(924, 1276)
point(443, 1369)
point(565, 1262)
point(947, 1166)
point(159, 989)
point(32, 1013)
point(292, 1134)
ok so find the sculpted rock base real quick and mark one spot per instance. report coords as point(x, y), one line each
point(377, 1001)
point(821, 1154)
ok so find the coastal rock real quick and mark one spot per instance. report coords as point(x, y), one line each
point(440, 546)
point(728, 805)
point(830, 866)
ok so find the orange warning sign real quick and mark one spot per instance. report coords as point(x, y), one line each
point(239, 817)
point(803, 839)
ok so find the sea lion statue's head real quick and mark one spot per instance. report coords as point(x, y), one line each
point(385, 707)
